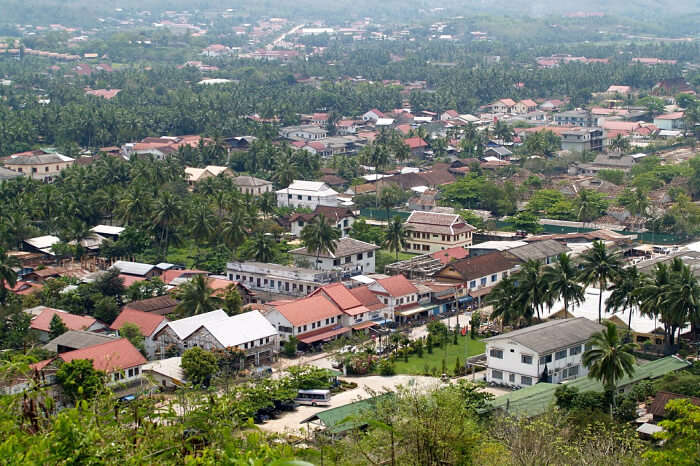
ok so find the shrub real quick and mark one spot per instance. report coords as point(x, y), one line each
point(386, 368)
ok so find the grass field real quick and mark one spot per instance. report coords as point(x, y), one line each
point(385, 257)
point(464, 348)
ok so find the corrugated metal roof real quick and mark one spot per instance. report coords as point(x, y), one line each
point(550, 336)
point(336, 419)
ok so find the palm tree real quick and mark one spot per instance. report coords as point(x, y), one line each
point(504, 298)
point(8, 276)
point(166, 213)
point(319, 236)
point(586, 209)
point(262, 248)
point(599, 267)
point(625, 293)
point(681, 301)
point(267, 203)
point(233, 230)
point(396, 236)
point(286, 170)
point(196, 297)
point(134, 206)
point(619, 144)
point(561, 279)
point(533, 288)
point(609, 359)
point(651, 291)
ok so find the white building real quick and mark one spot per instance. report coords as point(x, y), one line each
point(304, 133)
point(398, 295)
point(309, 194)
point(350, 256)
point(311, 319)
point(279, 279)
point(550, 351)
point(342, 217)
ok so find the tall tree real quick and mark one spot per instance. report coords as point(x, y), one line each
point(262, 247)
point(625, 293)
point(167, 212)
point(505, 299)
point(532, 287)
point(320, 236)
point(8, 275)
point(396, 236)
point(196, 297)
point(562, 281)
point(609, 359)
point(681, 301)
point(599, 267)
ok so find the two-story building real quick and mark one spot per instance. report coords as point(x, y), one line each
point(354, 312)
point(503, 106)
point(479, 274)
point(549, 352)
point(38, 164)
point(304, 133)
point(273, 280)
point(249, 332)
point(309, 194)
point(582, 139)
point(41, 317)
point(350, 256)
point(432, 231)
point(398, 294)
point(670, 121)
point(573, 118)
point(341, 217)
point(312, 319)
point(252, 186)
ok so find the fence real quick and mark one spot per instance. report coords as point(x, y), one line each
point(380, 214)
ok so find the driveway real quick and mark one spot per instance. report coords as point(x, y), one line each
point(290, 422)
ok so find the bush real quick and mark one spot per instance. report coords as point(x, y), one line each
point(290, 347)
point(386, 368)
point(199, 366)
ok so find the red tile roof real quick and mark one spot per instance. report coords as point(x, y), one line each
point(307, 310)
point(368, 299)
point(108, 357)
point(147, 322)
point(671, 116)
point(42, 322)
point(130, 279)
point(398, 285)
point(170, 275)
point(447, 255)
point(415, 143)
point(343, 298)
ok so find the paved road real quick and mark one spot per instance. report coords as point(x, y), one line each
point(290, 422)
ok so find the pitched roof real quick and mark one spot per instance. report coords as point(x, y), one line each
point(108, 357)
point(132, 268)
point(670, 116)
point(447, 255)
point(435, 222)
point(551, 336)
point(368, 299)
point(184, 327)
point(343, 298)
point(538, 250)
point(305, 310)
point(528, 102)
point(77, 339)
point(397, 286)
point(147, 322)
point(658, 406)
point(159, 305)
point(241, 328)
point(250, 181)
point(345, 246)
point(415, 142)
point(42, 322)
point(471, 268)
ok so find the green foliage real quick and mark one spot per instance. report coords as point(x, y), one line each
point(199, 366)
point(56, 327)
point(612, 176)
point(290, 347)
point(386, 367)
point(527, 222)
point(681, 435)
point(309, 377)
point(231, 300)
point(79, 380)
point(362, 231)
point(132, 332)
point(106, 309)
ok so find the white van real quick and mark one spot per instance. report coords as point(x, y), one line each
point(314, 397)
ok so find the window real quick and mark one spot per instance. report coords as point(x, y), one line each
point(526, 359)
point(298, 329)
point(564, 373)
point(497, 375)
point(546, 359)
point(575, 350)
point(494, 277)
point(136, 371)
point(472, 284)
point(245, 346)
point(496, 353)
point(46, 169)
point(483, 281)
point(299, 197)
point(131, 372)
point(348, 259)
point(590, 345)
point(359, 257)
point(301, 223)
point(525, 380)
point(560, 355)
point(33, 169)
point(328, 321)
point(336, 261)
point(370, 254)
point(305, 328)
point(511, 378)
point(313, 325)
point(573, 371)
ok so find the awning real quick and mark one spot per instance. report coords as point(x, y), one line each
point(481, 292)
point(323, 335)
point(415, 310)
point(466, 299)
point(364, 325)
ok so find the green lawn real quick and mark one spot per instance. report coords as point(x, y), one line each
point(464, 348)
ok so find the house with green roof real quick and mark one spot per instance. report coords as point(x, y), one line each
point(341, 419)
point(535, 400)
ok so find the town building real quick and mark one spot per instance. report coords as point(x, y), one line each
point(304, 133)
point(309, 194)
point(350, 256)
point(503, 106)
point(159, 305)
point(432, 231)
point(38, 164)
point(194, 175)
point(670, 121)
point(573, 118)
point(582, 139)
point(398, 294)
point(252, 186)
point(354, 311)
point(273, 280)
point(41, 317)
point(479, 274)
point(312, 319)
point(341, 217)
point(77, 339)
point(249, 332)
point(148, 324)
point(549, 352)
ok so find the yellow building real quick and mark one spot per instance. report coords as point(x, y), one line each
point(430, 232)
